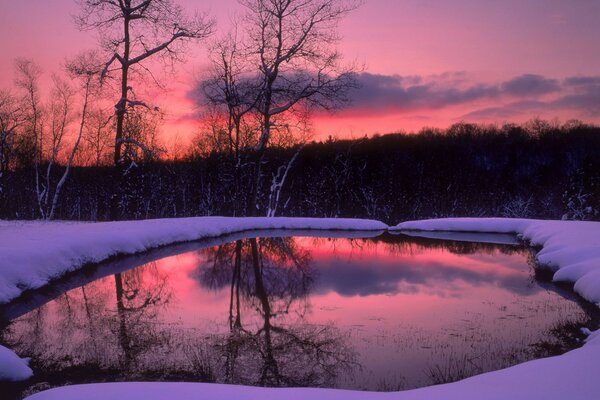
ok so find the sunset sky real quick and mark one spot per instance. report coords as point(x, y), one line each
point(427, 62)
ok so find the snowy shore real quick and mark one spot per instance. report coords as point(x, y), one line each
point(33, 253)
point(569, 248)
point(572, 249)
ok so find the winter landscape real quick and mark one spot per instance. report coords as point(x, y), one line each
point(290, 199)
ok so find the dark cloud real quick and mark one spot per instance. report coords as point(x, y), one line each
point(530, 85)
point(580, 96)
point(583, 81)
point(586, 98)
point(524, 94)
point(382, 93)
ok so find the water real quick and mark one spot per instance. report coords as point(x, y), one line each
point(386, 313)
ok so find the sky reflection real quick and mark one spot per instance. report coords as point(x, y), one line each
point(377, 314)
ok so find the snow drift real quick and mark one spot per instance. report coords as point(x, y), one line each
point(12, 367)
point(33, 253)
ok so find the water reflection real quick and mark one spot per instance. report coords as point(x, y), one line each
point(381, 314)
point(273, 278)
point(109, 325)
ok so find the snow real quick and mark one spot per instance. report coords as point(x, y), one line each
point(13, 368)
point(570, 248)
point(33, 253)
point(37, 299)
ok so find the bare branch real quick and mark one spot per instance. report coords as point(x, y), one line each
point(133, 31)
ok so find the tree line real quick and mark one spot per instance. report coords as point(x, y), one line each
point(537, 170)
point(276, 64)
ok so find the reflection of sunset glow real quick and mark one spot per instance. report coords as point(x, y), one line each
point(400, 306)
point(496, 263)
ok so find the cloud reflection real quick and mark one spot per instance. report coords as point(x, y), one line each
point(376, 277)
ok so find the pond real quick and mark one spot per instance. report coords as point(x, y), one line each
point(382, 313)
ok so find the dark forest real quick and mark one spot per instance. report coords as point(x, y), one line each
point(538, 170)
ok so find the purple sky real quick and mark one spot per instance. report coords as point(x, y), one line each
point(428, 62)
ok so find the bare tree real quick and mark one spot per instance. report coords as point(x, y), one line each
point(27, 79)
point(283, 66)
point(98, 135)
point(293, 43)
point(85, 68)
point(12, 116)
point(59, 115)
point(233, 87)
point(231, 94)
point(134, 31)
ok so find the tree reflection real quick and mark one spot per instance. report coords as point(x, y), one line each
point(122, 327)
point(272, 278)
point(115, 328)
point(81, 329)
point(399, 243)
point(137, 306)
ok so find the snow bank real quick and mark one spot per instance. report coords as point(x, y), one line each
point(570, 248)
point(13, 368)
point(32, 253)
point(570, 376)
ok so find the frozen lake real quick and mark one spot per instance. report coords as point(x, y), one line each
point(385, 313)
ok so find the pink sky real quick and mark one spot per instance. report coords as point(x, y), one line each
point(428, 62)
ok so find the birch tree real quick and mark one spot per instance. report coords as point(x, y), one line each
point(59, 115)
point(85, 69)
point(133, 33)
point(27, 80)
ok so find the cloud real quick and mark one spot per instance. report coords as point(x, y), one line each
point(385, 93)
point(505, 111)
point(578, 96)
point(364, 278)
point(522, 96)
point(529, 94)
point(586, 96)
point(530, 85)
point(583, 81)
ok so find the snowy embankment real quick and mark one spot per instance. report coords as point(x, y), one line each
point(12, 367)
point(570, 248)
point(34, 253)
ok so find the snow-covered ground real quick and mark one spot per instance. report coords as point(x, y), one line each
point(12, 367)
point(572, 249)
point(33, 253)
